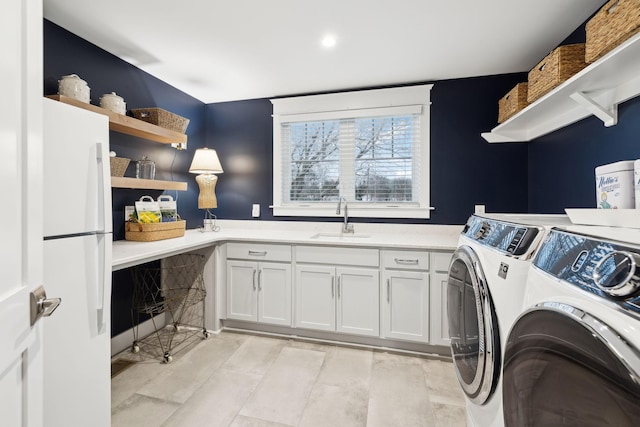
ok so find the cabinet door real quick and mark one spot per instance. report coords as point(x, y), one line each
point(358, 301)
point(439, 320)
point(315, 297)
point(274, 293)
point(406, 305)
point(242, 302)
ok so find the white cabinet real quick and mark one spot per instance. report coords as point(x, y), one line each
point(439, 279)
point(341, 298)
point(406, 303)
point(415, 296)
point(259, 291)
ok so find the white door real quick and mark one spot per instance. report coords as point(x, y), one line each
point(406, 302)
point(274, 293)
point(315, 297)
point(21, 213)
point(358, 301)
point(242, 301)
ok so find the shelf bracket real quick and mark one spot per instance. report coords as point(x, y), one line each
point(608, 116)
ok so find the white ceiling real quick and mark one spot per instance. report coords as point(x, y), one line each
point(243, 49)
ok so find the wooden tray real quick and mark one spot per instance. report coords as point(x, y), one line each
point(139, 232)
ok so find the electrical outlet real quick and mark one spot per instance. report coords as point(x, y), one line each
point(479, 209)
point(255, 211)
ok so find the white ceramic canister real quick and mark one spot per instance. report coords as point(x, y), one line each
point(614, 185)
point(113, 102)
point(74, 87)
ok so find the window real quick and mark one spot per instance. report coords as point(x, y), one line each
point(370, 147)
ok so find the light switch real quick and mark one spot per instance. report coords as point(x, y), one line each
point(255, 212)
point(479, 209)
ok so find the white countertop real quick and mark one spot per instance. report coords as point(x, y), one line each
point(406, 236)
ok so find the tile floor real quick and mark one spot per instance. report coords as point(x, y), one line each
point(235, 379)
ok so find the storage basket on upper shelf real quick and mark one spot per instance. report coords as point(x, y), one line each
point(140, 232)
point(162, 118)
point(562, 63)
point(514, 101)
point(614, 23)
point(118, 165)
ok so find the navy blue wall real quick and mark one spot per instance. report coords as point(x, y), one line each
point(465, 169)
point(561, 164)
point(65, 53)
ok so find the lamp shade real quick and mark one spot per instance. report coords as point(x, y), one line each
point(205, 161)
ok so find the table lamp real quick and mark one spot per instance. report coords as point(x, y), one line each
point(206, 163)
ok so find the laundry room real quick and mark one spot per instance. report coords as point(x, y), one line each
point(296, 214)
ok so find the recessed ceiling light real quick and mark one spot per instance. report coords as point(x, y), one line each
point(329, 41)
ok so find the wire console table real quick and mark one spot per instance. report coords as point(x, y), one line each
point(177, 289)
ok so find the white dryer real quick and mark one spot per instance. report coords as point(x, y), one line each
point(487, 276)
point(572, 358)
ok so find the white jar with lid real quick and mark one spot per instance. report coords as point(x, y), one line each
point(113, 102)
point(614, 185)
point(74, 87)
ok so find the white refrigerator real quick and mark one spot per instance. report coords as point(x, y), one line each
point(77, 267)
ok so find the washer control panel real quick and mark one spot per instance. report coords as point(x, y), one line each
point(608, 269)
point(506, 237)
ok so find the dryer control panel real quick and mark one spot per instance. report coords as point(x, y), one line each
point(509, 238)
point(605, 268)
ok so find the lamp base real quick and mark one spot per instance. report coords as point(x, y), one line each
point(209, 223)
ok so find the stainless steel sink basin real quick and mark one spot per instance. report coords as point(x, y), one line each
point(340, 236)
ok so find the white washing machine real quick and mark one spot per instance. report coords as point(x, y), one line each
point(487, 276)
point(572, 358)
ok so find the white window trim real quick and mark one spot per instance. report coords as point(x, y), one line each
point(361, 103)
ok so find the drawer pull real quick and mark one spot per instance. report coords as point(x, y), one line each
point(258, 253)
point(406, 261)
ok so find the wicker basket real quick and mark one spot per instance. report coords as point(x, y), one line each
point(139, 232)
point(514, 101)
point(614, 23)
point(555, 68)
point(162, 118)
point(118, 165)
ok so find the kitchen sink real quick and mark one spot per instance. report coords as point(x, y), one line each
point(340, 236)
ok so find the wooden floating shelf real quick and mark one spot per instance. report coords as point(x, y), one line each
point(128, 125)
point(147, 184)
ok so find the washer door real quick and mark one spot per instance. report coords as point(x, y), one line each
point(473, 327)
point(565, 367)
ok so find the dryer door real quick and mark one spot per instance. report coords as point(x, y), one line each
point(565, 367)
point(473, 326)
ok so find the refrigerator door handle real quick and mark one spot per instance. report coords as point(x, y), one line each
point(103, 281)
point(104, 190)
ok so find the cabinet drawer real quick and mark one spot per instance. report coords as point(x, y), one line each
point(259, 251)
point(337, 256)
point(406, 260)
point(441, 260)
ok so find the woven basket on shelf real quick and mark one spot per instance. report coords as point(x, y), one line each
point(139, 232)
point(162, 118)
point(614, 23)
point(514, 101)
point(118, 165)
point(562, 63)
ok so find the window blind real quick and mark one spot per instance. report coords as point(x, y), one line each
point(372, 159)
